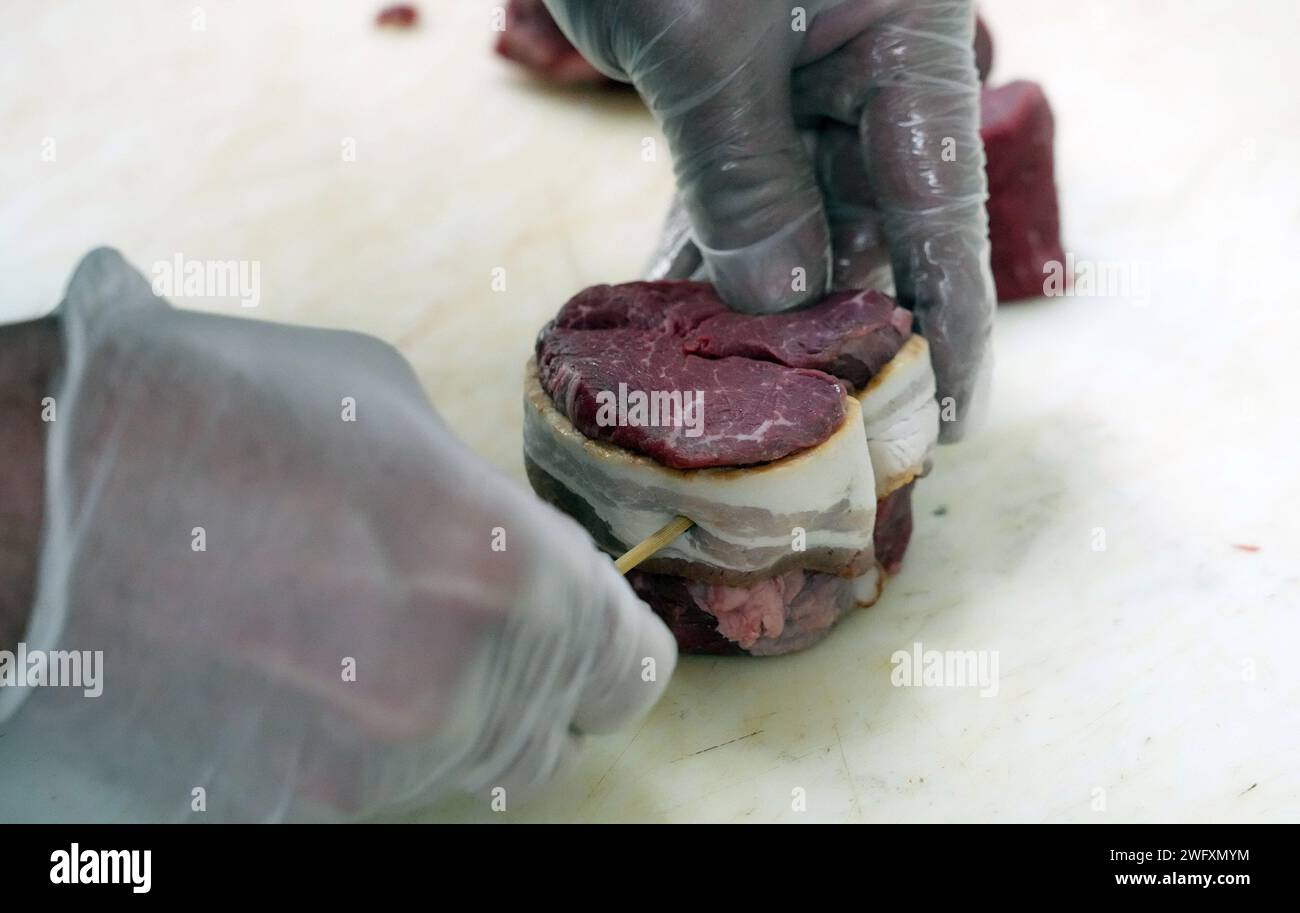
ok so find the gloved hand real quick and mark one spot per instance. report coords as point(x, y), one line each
point(889, 88)
point(237, 547)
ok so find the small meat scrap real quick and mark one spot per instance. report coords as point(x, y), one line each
point(398, 16)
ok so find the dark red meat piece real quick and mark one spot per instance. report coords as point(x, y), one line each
point(769, 387)
point(1024, 217)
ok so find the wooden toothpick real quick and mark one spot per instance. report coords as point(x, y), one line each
point(647, 547)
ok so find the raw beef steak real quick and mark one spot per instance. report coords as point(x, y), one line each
point(781, 549)
point(764, 386)
point(851, 335)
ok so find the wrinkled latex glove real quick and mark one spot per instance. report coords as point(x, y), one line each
point(895, 170)
point(326, 544)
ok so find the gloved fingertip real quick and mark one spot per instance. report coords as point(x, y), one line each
point(675, 255)
point(635, 666)
point(548, 758)
point(781, 272)
point(963, 415)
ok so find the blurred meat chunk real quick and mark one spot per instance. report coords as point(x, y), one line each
point(532, 38)
point(1024, 217)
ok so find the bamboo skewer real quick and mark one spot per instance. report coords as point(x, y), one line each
point(648, 546)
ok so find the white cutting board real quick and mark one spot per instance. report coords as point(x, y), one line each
point(1156, 679)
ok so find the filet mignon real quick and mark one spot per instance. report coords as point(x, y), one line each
point(780, 548)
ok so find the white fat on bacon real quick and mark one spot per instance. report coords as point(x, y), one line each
point(901, 417)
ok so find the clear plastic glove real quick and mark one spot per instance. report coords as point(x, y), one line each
point(895, 170)
point(302, 615)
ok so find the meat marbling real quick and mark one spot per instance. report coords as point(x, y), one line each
point(766, 387)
